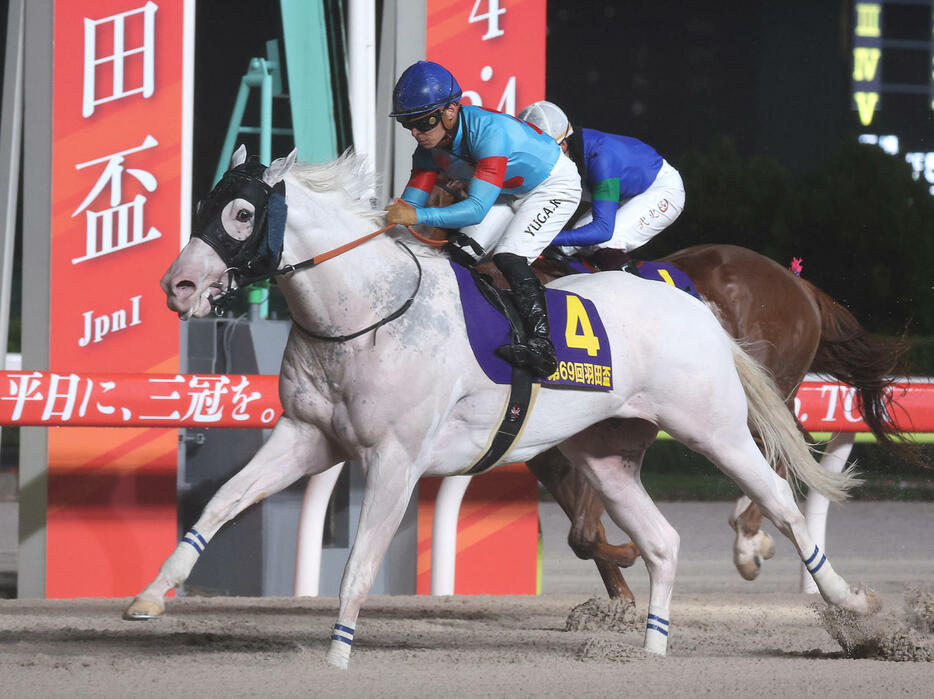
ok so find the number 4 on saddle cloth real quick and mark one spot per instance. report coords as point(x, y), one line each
point(582, 349)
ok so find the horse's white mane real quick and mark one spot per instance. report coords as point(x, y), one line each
point(350, 175)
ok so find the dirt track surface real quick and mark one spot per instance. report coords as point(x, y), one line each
point(729, 637)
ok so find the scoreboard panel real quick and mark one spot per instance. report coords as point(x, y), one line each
point(892, 86)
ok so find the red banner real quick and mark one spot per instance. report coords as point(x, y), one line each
point(831, 407)
point(138, 400)
point(495, 49)
point(119, 208)
point(252, 400)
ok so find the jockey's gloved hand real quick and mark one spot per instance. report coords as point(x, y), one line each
point(401, 213)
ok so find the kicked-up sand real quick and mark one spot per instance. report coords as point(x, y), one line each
point(729, 637)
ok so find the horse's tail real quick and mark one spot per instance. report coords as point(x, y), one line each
point(781, 440)
point(851, 355)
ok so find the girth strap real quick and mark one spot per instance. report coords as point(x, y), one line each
point(522, 390)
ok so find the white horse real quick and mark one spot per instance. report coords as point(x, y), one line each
point(408, 399)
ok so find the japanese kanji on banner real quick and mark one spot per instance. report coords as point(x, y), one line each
point(120, 145)
point(138, 400)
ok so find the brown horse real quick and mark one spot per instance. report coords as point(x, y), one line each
point(787, 324)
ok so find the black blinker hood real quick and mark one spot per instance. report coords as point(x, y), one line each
point(256, 257)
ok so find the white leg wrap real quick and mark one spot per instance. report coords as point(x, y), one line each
point(833, 588)
point(656, 631)
point(341, 643)
point(177, 567)
point(150, 603)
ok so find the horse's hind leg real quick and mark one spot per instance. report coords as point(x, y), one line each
point(752, 545)
point(610, 455)
point(292, 450)
point(736, 454)
point(583, 506)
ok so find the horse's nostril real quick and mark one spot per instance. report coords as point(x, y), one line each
point(185, 285)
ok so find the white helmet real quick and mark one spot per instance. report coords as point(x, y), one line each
point(549, 118)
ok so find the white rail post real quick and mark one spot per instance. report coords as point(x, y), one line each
point(444, 533)
point(311, 531)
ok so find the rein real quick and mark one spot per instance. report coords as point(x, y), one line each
point(257, 257)
point(391, 317)
point(288, 270)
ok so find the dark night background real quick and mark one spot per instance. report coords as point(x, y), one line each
point(774, 79)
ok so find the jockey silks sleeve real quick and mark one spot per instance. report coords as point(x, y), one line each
point(617, 167)
point(494, 152)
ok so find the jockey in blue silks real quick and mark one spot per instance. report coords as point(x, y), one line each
point(635, 192)
point(521, 191)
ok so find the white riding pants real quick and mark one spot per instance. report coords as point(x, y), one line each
point(642, 217)
point(525, 224)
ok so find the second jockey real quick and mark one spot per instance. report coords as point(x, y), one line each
point(635, 192)
point(520, 192)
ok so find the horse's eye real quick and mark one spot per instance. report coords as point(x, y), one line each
point(243, 215)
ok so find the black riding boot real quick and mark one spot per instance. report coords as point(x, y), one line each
point(538, 355)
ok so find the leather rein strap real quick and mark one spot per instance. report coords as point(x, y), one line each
point(391, 317)
point(289, 270)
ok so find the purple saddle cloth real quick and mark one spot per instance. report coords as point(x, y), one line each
point(665, 272)
point(581, 343)
point(654, 271)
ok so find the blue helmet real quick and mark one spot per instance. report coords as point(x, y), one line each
point(423, 86)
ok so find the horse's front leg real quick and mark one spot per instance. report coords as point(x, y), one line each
point(582, 504)
point(292, 450)
point(390, 480)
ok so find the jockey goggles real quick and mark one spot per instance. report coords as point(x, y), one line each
point(421, 122)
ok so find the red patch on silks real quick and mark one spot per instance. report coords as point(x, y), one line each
point(423, 180)
point(513, 182)
point(491, 169)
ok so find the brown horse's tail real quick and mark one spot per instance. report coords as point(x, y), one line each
point(850, 354)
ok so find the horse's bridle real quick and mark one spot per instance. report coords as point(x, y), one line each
point(257, 257)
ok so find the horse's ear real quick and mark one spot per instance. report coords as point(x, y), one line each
point(278, 168)
point(239, 157)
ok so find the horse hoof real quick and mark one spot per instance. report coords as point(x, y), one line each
point(766, 546)
point(749, 568)
point(339, 660)
point(864, 601)
point(143, 609)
